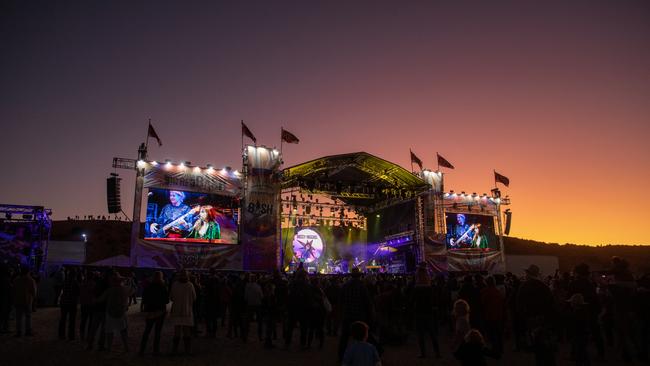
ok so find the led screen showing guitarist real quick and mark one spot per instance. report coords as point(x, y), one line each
point(181, 216)
point(469, 231)
point(175, 218)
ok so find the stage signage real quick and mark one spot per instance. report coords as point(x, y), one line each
point(260, 210)
point(177, 177)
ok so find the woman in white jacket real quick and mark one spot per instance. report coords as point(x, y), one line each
point(182, 295)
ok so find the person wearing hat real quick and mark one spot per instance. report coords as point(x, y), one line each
point(583, 285)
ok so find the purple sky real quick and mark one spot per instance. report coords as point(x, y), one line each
point(553, 95)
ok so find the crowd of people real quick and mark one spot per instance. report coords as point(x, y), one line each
point(369, 313)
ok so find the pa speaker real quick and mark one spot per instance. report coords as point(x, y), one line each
point(113, 195)
point(508, 221)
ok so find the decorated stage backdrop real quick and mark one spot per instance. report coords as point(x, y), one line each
point(260, 211)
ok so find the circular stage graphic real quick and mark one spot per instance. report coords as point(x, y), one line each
point(307, 245)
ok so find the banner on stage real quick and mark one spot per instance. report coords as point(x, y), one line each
point(260, 213)
point(177, 177)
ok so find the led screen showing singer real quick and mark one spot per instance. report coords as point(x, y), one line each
point(470, 231)
point(183, 216)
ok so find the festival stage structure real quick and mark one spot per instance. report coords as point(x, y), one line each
point(326, 215)
point(24, 235)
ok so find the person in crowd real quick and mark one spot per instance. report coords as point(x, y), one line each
point(155, 299)
point(298, 307)
point(460, 315)
point(333, 293)
point(68, 304)
point(471, 294)
point(24, 296)
point(99, 312)
point(536, 307)
point(582, 284)
point(622, 289)
point(197, 307)
point(356, 305)
point(424, 312)
point(5, 298)
point(269, 310)
point(132, 282)
point(212, 304)
point(117, 304)
point(182, 295)
point(493, 306)
point(86, 290)
point(359, 352)
point(236, 307)
point(317, 314)
point(253, 296)
point(472, 351)
point(579, 329)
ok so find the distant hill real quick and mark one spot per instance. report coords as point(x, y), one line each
point(598, 257)
point(108, 238)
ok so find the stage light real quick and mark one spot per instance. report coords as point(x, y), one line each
point(197, 169)
point(141, 163)
point(223, 171)
point(182, 164)
point(236, 172)
point(378, 215)
point(154, 163)
point(168, 164)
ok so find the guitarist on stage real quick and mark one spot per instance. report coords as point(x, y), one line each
point(170, 213)
point(460, 231)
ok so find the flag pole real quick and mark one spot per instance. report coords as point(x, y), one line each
point(494, 171)
point(411, 158)
point(438, 160)
point(281, 139)
point(146, 143)
point(242, 135)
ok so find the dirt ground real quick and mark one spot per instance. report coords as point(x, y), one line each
point(45, 349)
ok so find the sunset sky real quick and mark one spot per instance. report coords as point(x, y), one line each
point(556, 96)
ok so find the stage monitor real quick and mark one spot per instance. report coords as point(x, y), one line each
point(470, 232)
point(181, 216)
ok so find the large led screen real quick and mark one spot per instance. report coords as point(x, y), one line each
point(469, 231)
point(181, 216)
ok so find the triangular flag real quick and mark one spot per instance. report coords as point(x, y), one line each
point(416, 160)
point(246, 132)
point(444, 162)
point(501, 179)
point(289, 138)
point(152, 133)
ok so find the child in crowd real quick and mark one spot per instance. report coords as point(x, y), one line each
point(472, 351)
point(360, 352)
point(460, 315)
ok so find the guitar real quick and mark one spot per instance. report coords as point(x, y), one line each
point(454, 243)
point(172, 225)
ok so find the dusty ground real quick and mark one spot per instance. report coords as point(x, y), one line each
point(45, 349)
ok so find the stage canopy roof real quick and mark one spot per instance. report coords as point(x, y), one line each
point(356, 178)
